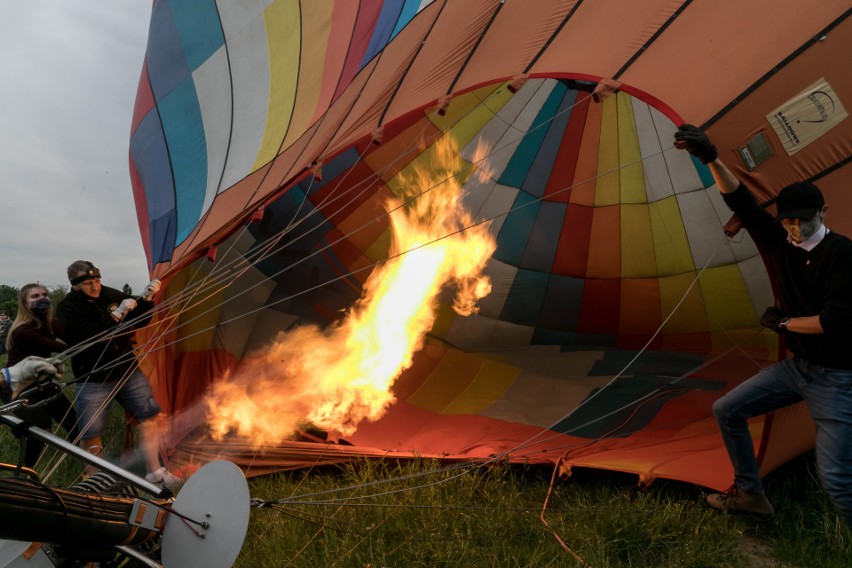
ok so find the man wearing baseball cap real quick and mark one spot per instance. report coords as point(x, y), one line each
point(813, 269)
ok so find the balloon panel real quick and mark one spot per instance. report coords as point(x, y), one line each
point(615, 296)
point(579, 285)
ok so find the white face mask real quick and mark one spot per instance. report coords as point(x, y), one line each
point(801, 230)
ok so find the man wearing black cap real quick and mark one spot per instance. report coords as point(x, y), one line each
point(105, 365)
point(813, 268)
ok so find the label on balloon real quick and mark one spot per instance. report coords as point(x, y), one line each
point(807, 116)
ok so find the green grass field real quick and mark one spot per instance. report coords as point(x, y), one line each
point(424, 513)
point(492, 516)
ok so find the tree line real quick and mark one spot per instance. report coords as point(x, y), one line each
point(9, 296)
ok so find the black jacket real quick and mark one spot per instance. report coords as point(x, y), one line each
point(110, 358)
point(810, 283)
point(29, 340)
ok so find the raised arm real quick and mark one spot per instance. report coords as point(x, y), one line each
point(695, 141)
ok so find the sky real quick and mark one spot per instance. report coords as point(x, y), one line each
point(68, 78)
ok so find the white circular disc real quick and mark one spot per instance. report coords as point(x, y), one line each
point(217, 494)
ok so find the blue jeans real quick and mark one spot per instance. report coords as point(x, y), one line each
point(93, 400)
point(828, 394)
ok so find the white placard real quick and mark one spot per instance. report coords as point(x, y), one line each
point(807, 116)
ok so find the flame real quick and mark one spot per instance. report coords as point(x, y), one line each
point(336, 377)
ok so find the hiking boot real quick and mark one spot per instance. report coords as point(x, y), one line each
point(164, 478)
point(735, 500)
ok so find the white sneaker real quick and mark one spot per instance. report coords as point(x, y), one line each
point(164, 478)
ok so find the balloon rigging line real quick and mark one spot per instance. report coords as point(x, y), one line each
point(233, 244)
point(376, 174)
point(483, 103)
point(496, 509)
point(657, 391)
point(472, 225)
point(536, 200)
point(465, 467)
point(511, 142)
point(549, 527)
point(272, 242)
point(102, 407)
point(652, 338)
point(173, 301)
point(641, 400)
point(575, 409)
point(395, 256)
point(600, 390)
point(460, 470)
point(105, 404)
point(647, 343)
point(368, 223)
point(404, 252)
point(81, 428)
point(118, 384)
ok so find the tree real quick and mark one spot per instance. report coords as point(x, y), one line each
point(57, 294)
point(9, 297)
point(9, 300)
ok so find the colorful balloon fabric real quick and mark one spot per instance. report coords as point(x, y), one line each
point(268, 136)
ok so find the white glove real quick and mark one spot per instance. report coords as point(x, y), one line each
point(123, 309)
point(152, 288)
point(31, 370)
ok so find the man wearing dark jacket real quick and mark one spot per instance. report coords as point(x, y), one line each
point(5, 326)
point(813, 270)
point(105, 365)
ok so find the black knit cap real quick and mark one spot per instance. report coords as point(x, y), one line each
point(799, 201)
point(88, 269)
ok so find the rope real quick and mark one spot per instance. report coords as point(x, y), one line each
point(267, 247)
point(549, 527)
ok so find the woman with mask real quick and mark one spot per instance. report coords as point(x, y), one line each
point(34, 332)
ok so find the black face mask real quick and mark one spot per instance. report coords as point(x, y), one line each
point(41, 306)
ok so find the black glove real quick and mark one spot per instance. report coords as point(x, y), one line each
point(772, 319)
point(695, 142)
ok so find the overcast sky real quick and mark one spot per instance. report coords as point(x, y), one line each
point(68, 77)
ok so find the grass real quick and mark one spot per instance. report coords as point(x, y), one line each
point(491, 517)
point(424, 513)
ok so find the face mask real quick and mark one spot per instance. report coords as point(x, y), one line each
point(41, 306)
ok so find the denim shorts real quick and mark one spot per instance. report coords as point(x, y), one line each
point(93, 401)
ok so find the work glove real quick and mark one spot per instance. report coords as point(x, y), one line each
point(772, 319)
point(31, 370)
point(125, 307)
point(695, 141)
point(152, 288)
